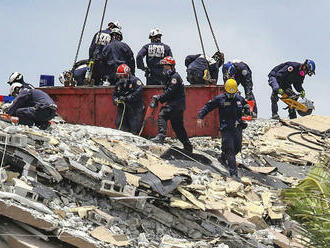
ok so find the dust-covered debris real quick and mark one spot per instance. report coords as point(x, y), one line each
point(98, 187)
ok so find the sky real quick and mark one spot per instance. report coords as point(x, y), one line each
point(41, 37)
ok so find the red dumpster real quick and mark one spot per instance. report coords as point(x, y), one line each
point(94, 106)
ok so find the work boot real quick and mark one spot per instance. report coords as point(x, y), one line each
point(275, 116)
point(158, 139)
point(222, 159)
point(188, 148)
point(43, 125)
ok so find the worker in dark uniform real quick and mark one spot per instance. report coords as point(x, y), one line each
point(242, 74)
point(100, 40)
point(31, 106)
point(115, 54)
point(281, 79)
point(174, 96)
point(203, 71)
point(230, 105)
point(17, 77)
point(154, 51)
point(128, 98)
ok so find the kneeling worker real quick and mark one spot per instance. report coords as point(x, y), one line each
point(128, 98)
point(31, 106)
point(174, 96)
point(231, 106)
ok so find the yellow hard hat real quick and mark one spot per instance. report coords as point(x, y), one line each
point(231, 86)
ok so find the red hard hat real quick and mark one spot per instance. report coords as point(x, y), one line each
point(123, 70)
point(167, 61)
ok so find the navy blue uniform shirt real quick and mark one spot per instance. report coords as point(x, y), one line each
point(117, 53)
point(199, 63)
point(98, 43)
point(287, 74)
point(29, 98)
point(154, 52)
point(230, 110)
point(174, 93)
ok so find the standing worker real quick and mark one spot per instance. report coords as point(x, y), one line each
point(117, 53)
point(154, 51)
point(174, 96)
point(100, 40)
point(17, 77)
point(31, 106)
point(128, 98)
point(281, 79)
point(242, 74)
point(201, 70)
point(230, 105)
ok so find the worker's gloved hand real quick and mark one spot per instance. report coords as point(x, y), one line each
point(154, 102)
point(280, 91)
point(302, 94)
point(219, 57)
point(246, 109)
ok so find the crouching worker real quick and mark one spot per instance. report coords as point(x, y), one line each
point(230, 105)
point(128, 98)
point(31, 106)
point(174, 96)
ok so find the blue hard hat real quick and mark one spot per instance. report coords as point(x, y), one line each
point(228, 69)
point(310, 67)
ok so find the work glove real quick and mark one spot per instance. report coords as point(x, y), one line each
point(246, 109)
point(302, 94)
point(219, 57)
point(154, 102)
point(116, 101)
point(280, 91)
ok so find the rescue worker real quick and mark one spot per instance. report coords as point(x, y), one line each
point(100, 40)
point(230, 106)
point(281, 79)
point(203, 71)
point(174, 96)
point(128, 97)
point(17, 77)
point(115, 54)
point(242, 74)
point(154, 51)
point(67, 78)
point(31, 106)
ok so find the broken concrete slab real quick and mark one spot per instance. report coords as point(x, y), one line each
point(26, 216)
point(105, 235)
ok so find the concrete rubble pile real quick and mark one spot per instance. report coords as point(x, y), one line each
point(83, 186)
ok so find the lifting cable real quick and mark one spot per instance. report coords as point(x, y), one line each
point(101, 25)
point(81, 34)
point(208, 20)
point(199, 30)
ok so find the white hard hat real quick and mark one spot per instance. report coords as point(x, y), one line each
point(14, 86)
point(115, 24)
point(155, 32)
point(116, 31)
point(15, 77)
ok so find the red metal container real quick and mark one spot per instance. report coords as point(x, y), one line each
point(94, 106)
